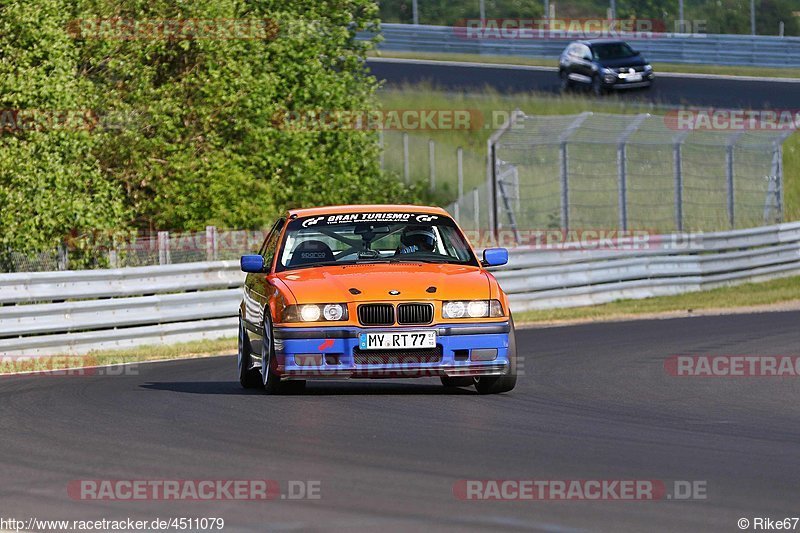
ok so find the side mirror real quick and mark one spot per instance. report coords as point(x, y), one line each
point(495, 257)
point(252, 263)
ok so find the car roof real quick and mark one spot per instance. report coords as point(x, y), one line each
point(591, 42)
point(366, 208)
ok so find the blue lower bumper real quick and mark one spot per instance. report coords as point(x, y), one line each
point(462, 350)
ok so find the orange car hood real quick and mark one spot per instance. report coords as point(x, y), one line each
point(374, 281)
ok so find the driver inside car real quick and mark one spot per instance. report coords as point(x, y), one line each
point(417, 239)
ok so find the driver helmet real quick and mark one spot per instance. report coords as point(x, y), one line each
point(418, 238)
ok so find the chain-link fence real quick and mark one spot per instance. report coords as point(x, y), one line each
point(603, 171)
point(142, 249)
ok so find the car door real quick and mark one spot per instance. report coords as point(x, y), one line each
point(583, 63)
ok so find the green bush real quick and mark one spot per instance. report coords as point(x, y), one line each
point(183, 129)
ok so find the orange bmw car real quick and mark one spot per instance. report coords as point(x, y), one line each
point(373, 291)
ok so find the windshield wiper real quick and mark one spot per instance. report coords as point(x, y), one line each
point(418, 260)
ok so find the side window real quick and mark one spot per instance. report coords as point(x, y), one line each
point(271, 242)
point(572, 50)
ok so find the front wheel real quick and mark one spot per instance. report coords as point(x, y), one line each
point(597, 86)
point(566, 83)
point(506, 382)
point(249, 378)
point(269, 378)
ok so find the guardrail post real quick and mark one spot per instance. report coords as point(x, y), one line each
point(211, 243)
point(772, 199)
point(406, 175)
point(62, 259)
point(491, 164)
point(622, 168)
point(677, 163)
point(432, 164)
point(677, 152)
point(622, 186)
point(163, 248)
point(564, 158)
point(729, 174)
point(730, 185)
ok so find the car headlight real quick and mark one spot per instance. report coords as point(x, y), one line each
point(315, 313)
point(648, 67)
point(309, 313)
point(333, 311)
point(472, 309)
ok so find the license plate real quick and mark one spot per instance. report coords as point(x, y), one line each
point(633, 77)
point(399, 340)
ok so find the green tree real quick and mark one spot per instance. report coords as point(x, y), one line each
point(51, 186)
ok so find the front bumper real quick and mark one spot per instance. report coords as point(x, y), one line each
point(333, 352)
point(616, 82)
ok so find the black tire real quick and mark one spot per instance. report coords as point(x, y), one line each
point(506, 382)
point(457, 381)
point(566, 83)
point(270, 380)
point(597, 86)
point(249, 378)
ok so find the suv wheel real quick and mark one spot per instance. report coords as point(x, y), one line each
point(566, 83)
point(597, 86)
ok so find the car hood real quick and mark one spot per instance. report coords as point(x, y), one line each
point(635, 61)
point(374, 281)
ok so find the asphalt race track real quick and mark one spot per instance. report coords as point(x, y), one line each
point(669, 89)
point(596, 403)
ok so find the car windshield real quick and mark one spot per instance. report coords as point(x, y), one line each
point(375, 237)
point(612, 51)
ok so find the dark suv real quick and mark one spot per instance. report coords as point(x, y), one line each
point(603, 65)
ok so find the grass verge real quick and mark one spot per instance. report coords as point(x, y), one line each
point(765, 72)
point(749, 295)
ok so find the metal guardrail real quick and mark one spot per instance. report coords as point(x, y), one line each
point(78, 311)
point(758, 50)
point(668, 264)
